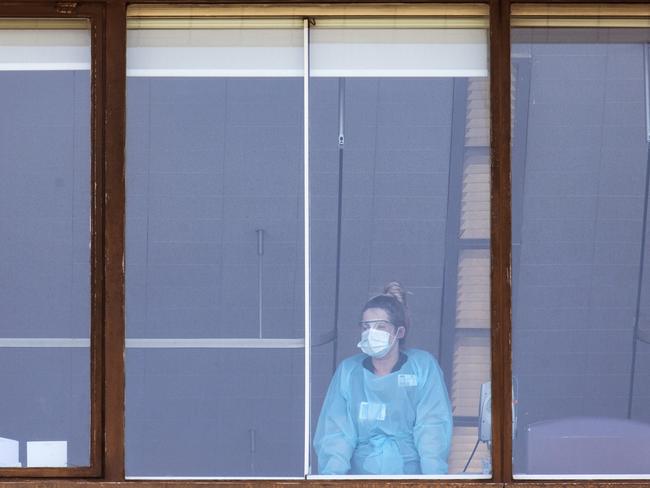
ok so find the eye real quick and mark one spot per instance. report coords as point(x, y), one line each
point(382, 325)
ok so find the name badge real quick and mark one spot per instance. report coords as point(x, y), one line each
point(372, 411)
point(405, 380)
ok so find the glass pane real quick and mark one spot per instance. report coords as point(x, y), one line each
point(399, 148)
point(581, 301)
point(45, 252)
point(214, 278)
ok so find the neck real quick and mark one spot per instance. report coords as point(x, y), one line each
point(385, 365)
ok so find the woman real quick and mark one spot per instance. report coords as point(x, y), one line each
point(387, 410)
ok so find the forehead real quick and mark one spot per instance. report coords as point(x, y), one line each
point(375, 314)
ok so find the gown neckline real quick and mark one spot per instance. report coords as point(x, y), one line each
point(367, 363)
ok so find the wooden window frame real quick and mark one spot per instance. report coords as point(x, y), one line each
point(94, 13)
point(108, 87)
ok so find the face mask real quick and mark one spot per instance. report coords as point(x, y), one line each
point(376, 343)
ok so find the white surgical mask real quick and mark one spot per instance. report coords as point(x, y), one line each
point(376, 343)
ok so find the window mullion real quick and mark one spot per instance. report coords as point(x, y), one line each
point(500, 288)
point(115, 198)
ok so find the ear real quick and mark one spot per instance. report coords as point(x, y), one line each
point(401, 332)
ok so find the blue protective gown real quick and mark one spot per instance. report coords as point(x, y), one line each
point(400, 423)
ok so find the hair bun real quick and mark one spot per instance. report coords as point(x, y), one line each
point(395, 290)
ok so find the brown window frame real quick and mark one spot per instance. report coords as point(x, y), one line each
point(95, 14)
point(108, 85)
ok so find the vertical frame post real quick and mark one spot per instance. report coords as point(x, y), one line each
point(307, 430)
point(501, 271)
point(114, 199)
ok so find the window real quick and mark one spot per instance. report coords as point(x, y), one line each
point(226, 279)
point(48, 250)
point(214, 251)
point(580, 295)
point(388, 146)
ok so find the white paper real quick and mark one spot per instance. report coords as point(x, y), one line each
point(9, 453)
point(50, 454)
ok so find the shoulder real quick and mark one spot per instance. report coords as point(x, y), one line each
point(422, 362)
point(420, 356)
point(351, 364)
point(347, 370)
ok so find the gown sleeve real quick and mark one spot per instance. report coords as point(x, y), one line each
point(336, 433)
point(433, 422)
